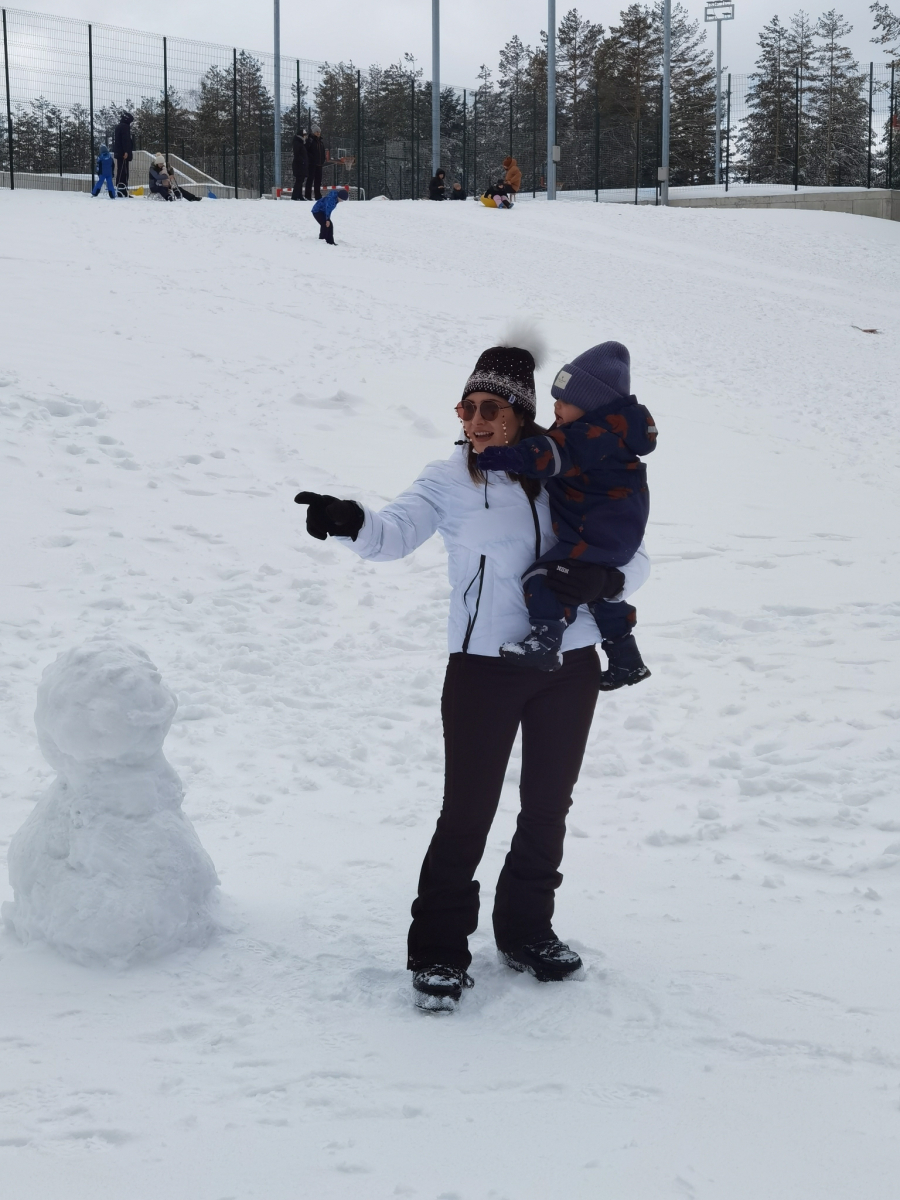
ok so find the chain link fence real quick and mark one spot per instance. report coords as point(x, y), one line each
point(210, 110)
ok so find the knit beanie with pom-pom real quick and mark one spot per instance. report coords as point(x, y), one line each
point(508, 370)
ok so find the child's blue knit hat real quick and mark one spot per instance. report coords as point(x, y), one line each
point(596, 379)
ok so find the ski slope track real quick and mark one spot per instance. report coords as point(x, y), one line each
point(170, 378)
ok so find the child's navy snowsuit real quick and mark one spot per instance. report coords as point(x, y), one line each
point(105, 168)
point(599, 501)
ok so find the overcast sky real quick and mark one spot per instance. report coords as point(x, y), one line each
point(379, 31)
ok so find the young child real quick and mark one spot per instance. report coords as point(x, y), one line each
point(599, 503)
point(322, 210)
point(105, 167)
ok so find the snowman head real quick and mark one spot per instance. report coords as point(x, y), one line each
point(102, 702)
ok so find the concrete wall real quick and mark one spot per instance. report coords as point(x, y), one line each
point(866, 202)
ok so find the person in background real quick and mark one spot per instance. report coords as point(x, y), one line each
point(315, 161)
point(105, 168)
point(513, 177)
point(298, 163)
point(123, 152)
point(457, 192)
point(437, 188)
point(160, 181)
point(322, 210)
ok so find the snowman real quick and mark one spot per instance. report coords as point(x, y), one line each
point(108, 869)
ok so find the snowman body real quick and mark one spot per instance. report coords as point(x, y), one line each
point(108, 869)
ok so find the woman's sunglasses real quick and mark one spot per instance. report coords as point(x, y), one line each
point(489, 409)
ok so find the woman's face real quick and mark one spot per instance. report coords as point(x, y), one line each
point(502, 430)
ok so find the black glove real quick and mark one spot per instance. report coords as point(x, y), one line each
point(576, 582)
point(328, 515)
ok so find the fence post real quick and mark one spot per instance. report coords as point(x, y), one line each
point(91, 98)
point(796, 128)
point(475, 147)
point(234, 120)
point(465, 164)
point(637, 159)
point(412, 136)
point(9, 124)
point(891, 134)
point(510, 127)
point(727, 130)
point(358, 134)
point(869, 146)
point(297, 102)
point(596, 150)
point(166, 100)
point(533, 143)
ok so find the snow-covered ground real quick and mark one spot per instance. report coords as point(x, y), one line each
point(171, 376)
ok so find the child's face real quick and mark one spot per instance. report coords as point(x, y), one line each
point(566, 413)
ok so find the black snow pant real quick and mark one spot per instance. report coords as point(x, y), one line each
point(326, 231)
point(297, 189)
point(122, 176)
point(484, 702)
point(314, 180)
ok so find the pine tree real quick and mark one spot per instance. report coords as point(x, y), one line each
point(692, 140)
point(628, 65)
point(838, 126)
point(766, 141)
point(577, 42)
point(887, 26)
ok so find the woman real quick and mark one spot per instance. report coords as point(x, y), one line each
point(160, 181)
point(493, 529)
point(437, 188)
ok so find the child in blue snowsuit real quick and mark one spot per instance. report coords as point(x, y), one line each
point(105, 166)
point(599, 503)
point(322, 210)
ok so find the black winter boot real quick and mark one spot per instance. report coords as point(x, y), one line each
point(625, 667)
point(549, 961)
point(439, 988)
point(541, 649)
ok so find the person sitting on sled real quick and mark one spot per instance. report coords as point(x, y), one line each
point(599, 503)
point(105, 167)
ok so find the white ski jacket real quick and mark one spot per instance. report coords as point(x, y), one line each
point(492, 533)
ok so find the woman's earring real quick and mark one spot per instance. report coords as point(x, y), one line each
point(505, 434)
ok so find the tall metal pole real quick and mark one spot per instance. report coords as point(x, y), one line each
point(435, 86)
point(718, 102)
point(796, 128)
point(165, 102)
point(551, 99)
point(234, 121)
point(9, 124)
point(359, 135)
point(278, 179)
point(666, 102)
point(91, 98)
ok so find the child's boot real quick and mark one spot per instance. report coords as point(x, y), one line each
point(541, 649)
point(625, 667)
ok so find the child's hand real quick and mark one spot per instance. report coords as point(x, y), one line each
point(501, 458)
point(327, 224)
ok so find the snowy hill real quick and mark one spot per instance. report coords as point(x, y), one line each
point(170, 377)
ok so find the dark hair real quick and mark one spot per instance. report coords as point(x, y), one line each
point(531, 487)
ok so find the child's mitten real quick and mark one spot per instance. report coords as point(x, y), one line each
point(502, 458)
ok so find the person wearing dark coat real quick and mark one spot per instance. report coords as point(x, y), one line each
point(315, 161)
point(598, 500)
point(298, 163)
point(458, 192)
point(123, 151)
point(437, 189)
